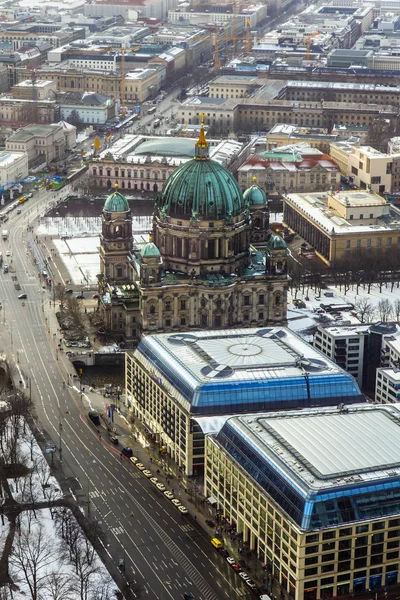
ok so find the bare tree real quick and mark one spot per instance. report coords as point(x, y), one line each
point(384, 309)
point(60, 586)
point(60, 293)
point(33, 556)
point(379, 133)
point(396, 309)
point(365, 310)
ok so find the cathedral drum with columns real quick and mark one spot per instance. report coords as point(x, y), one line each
point(212, 261)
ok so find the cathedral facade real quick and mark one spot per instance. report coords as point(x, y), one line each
point(211, 263)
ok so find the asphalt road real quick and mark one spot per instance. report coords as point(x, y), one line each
point(165, 553)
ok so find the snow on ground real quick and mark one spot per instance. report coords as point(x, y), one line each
point(41, 555)
point(80, 257)
point(39, 549)
point(40, 484)
point(302, 319)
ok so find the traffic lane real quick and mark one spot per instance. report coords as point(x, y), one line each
point(111, 480)
point(180, 528)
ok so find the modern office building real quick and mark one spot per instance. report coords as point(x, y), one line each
point(359, 349)
point(315, 492)
point(174, 378)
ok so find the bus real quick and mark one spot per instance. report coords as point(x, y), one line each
point(151, 110)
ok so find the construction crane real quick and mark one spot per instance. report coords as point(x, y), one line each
point(308, 43)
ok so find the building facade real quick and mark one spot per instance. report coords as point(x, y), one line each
point(13, 166)
point(41, 143)
point(335, 223)
point(324, 523)
point(175, 380)
point(88, 107)
point(199, 270)
point(296, 169)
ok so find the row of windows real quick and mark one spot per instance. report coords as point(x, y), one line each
point(368, 242)
point(135, 174)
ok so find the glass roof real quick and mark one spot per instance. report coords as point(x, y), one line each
point(324, 466)
point(236, 371)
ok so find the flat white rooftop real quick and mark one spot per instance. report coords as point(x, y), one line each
point(337, 443)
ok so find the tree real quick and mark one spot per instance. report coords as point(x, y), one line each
point(364, 309)
point(384, 309)
point(59, 586)
point(379, 133)
point(396, 309)
point(33, 555)
point(74, 118)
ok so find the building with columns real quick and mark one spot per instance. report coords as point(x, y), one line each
point(211, 261)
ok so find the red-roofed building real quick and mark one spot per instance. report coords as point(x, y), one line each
point(290, 170)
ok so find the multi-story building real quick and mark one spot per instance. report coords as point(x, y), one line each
point(138, 162)
point(282, 134)
point(388, 377)
point(334, 224)
point(340, 152)
point(200, 270)
point(16, 112)
point(89, 107)
point(287, 169)
point(359, 349)
point(13, 166)
point(174, 380)
point(346, 92)
point(259, 114)
point(38, 89)
point(233, 86)
point(144, 83)
point(313, 493)
point(41, 143)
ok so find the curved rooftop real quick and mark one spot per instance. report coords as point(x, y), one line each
point(167, 147)
point(255, 196)
point(227, 372)
point(276, 242)
point(150, 250)
point(116, 203)
point(319, 464)
point(202, 189)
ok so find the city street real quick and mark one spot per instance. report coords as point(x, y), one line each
point(165, 553)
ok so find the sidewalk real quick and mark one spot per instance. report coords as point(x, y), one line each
point(133, 435)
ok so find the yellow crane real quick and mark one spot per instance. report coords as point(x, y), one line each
point(308, 43)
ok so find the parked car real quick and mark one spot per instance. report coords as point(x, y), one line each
point(147, 473)
point(22, 297)
point(169, 495)
point(160, 486)
point(183, 509)
point(140, 466)
point(134, 459)
point(175, 501)
point(114, 440)
point(127, 452)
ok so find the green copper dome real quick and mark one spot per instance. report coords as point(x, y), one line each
point(255, 196)
point(150, 250)
point(201, 188)
point(116, 203)
point(275, 242)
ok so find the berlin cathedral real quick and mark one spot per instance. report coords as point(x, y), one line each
point(211, 261)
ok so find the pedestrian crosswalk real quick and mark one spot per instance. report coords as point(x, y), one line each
point(95, 494)
point(186, 527)
point(117, 530)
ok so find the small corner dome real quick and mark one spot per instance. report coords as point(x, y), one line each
point(150, 251)
point(255, 196)
point(116, 203)
point(275, 242)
